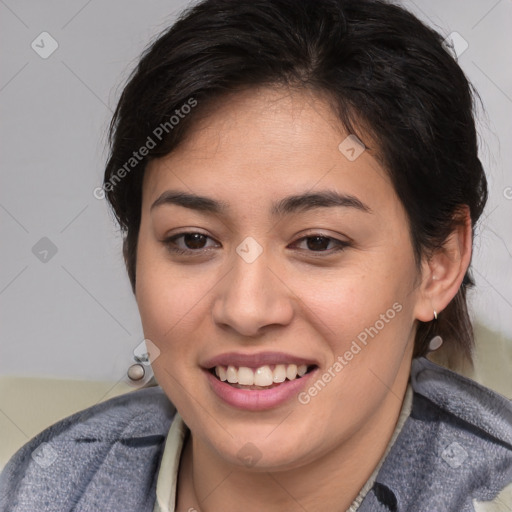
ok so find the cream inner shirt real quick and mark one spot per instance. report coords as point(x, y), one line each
point(168, 473)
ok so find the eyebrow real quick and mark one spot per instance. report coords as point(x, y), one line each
point(285, 206)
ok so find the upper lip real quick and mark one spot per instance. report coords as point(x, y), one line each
point(255, 360)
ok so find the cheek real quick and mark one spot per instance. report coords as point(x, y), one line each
point(364, 319)
point(168, 306)
point(168, 300)
point(350, 303)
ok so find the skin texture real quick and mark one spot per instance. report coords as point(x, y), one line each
point(255, 148)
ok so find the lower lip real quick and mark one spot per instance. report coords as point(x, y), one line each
point(255, 399)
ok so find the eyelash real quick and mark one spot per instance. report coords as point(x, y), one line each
point(168, 242)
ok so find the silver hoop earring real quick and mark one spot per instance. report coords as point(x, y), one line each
point(435, 314)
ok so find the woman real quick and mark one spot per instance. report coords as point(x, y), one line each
point(298, 185)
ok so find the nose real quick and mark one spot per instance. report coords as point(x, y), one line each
point(252, 297)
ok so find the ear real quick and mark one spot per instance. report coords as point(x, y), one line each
point(443, 272)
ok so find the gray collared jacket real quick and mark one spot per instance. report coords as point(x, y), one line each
point(453, 453)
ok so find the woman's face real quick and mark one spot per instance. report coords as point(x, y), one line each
point(268, 241)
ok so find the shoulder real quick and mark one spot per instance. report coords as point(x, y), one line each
point(114, 446)
point(455, 450)
point(484, 412)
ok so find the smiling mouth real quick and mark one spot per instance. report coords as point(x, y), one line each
point(263, 377)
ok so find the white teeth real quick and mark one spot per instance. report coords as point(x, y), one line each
point(232, 375)
point(221, 373)
point(291, 371)
point(245, 376)
point(263, 376)
point(279, 373)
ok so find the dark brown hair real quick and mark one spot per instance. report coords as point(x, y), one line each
point(381, 68)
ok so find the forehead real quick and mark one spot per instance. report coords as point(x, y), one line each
point(257, 144)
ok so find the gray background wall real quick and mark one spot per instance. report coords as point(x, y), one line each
point(66, 308)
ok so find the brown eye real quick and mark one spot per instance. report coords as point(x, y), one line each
point(317, 243)
point(321, 244)
point(189, 243)
point(194, 240)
